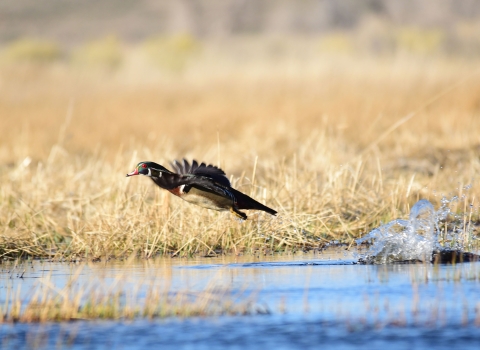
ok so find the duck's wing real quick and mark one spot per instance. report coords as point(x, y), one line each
point(202, 170)
point(206, 184)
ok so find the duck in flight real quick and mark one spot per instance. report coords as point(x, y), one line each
point(200, 184)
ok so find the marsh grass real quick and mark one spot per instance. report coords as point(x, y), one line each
point(336, 143)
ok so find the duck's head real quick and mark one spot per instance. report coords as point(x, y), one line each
point(148, 169)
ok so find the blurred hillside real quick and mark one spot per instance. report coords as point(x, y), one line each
point(73, 22)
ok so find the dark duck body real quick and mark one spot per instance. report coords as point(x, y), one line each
point(200, 184)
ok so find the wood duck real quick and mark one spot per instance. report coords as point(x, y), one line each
point(200, 184)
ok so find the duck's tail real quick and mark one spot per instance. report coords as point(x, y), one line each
point(246, 202)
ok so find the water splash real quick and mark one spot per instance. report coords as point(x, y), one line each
point(415, 239)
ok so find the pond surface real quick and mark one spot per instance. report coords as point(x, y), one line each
point(308, 301)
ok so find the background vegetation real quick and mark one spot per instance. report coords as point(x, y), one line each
point(338, 130)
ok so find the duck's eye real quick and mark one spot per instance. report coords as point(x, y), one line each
point(144, 165)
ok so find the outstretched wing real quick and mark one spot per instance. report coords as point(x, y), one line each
point(204, 170)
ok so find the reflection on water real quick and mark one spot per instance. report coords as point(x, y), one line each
point(314, 300)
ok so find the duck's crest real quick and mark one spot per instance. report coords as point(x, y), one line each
point(202, 169)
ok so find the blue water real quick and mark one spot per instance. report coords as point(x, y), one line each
point(303, 301)
point(235, 333)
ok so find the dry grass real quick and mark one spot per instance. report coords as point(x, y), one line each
point(335, 143)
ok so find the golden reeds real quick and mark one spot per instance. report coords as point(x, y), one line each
point(335, 143)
